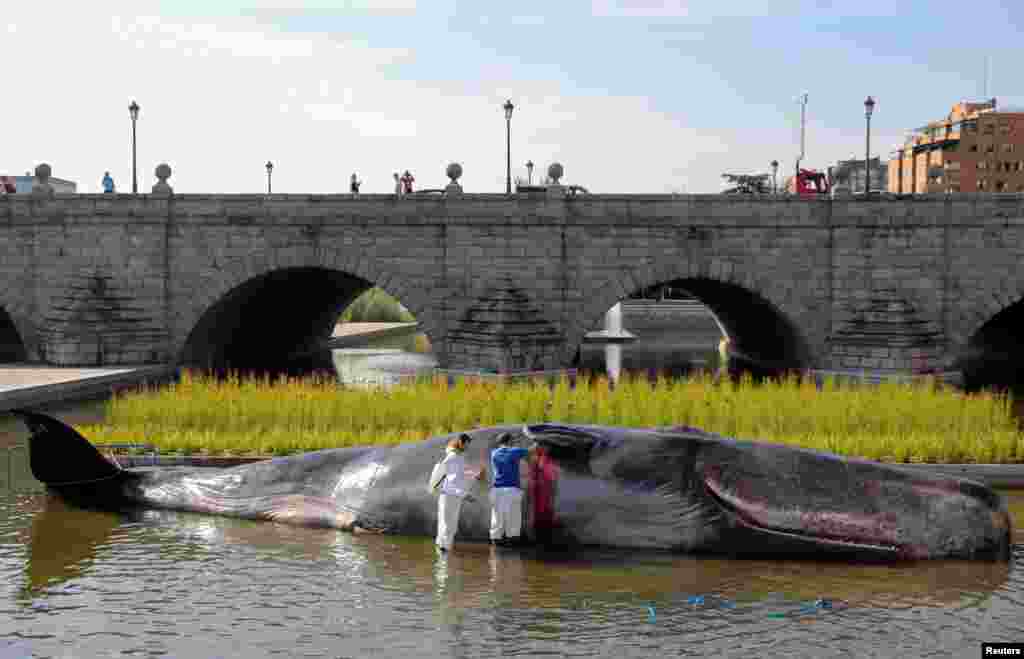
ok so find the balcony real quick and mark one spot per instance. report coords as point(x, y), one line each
point(936, 144)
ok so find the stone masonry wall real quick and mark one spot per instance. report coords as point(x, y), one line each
point(888, 283)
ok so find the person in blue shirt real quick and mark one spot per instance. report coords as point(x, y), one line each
point(507, 495)
point(108, 182)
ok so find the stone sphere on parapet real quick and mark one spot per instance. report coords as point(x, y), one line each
point(454, 171)
point(555, 171)
point(163, 172)
point(43, 172)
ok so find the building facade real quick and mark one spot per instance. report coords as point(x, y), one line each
point(23, 184)
point(848, 175)
point(976, 148)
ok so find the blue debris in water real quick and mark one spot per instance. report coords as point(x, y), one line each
point(695, 599)
point(807, 609)
point(650, 614)
point(726, 604)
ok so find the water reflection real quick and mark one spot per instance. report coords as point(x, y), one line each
point(380, 366)
point(163, 580)
point(63, 541)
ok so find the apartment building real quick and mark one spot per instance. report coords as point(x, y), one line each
point(976, 148)
point(848, 175)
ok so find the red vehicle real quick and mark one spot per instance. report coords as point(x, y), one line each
point(810, 183)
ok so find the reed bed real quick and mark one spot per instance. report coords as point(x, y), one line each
point(890, 422)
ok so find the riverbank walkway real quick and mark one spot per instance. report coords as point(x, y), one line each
point(33, 385)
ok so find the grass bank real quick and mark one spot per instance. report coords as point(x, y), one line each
point(889, 422)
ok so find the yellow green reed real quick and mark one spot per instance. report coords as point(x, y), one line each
point(922, 422)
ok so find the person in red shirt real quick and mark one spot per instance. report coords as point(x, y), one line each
point(407, 181)
point(543, 489)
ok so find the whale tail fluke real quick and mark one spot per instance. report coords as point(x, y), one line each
point(61, 458)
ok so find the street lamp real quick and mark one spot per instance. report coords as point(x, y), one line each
point(508, 146)
point(869, 107)
point(529, 172)
point(775, 170)
point(133, 110)
point(270, 168)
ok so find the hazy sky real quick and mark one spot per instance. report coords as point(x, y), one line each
point(630, 96)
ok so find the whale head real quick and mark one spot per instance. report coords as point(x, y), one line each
point(685, 488)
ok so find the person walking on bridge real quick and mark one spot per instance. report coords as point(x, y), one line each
point(407, 181)
point(507, 494)
point(354, 185)
point(108, 183)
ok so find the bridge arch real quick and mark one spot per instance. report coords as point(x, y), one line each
point(266, 315)
point(988, 350)
point(12, 347)
point(757, 317)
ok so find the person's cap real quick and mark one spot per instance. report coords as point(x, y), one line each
point(505, 438)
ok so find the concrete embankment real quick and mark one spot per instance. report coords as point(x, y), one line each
point(32, 385)
point(354, 335)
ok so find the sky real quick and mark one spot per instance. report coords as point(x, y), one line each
point(641, 96)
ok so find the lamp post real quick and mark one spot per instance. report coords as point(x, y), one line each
point(869, 107)
point(775, 170)
point(133, 111)
point(508, 146)
point(529, 172)
point(270, 168)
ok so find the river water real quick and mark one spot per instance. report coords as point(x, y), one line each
point(152, 583)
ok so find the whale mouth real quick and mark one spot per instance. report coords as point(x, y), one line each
point(844, 536)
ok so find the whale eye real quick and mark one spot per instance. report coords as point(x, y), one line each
point(568, 442)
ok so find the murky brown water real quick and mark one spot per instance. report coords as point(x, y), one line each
point(79, 583)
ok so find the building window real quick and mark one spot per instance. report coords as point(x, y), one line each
point(982, 183)
point(1007, 148)
point(990, 148)
point(1000, 186)
point(974, 148)
point(1004, 129)
point(988, 129)
point(982, 164)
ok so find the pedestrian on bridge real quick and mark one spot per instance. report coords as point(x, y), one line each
point(108, 183)
point(398, 185)
point(407, 180)
point(354, 185)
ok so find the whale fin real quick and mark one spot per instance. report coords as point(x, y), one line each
point(60, 457)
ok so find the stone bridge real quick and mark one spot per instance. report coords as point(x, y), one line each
point(508, 282)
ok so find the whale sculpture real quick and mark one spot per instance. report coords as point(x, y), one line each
point(678, 489)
